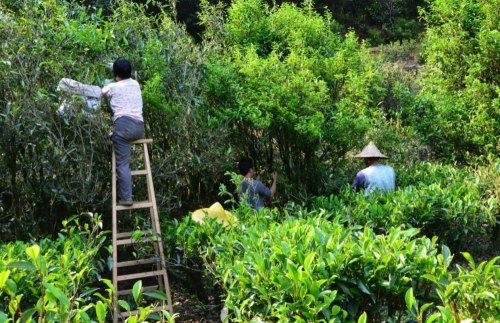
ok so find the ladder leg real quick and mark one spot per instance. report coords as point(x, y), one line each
point(114, 232)
point(155, 223)
point(155, 230)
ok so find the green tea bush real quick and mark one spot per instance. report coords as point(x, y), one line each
point(299, 266)
point(454, 204)
point(292, 92)
point(54, 165)
point(53, 280)
point(466, 294)
point(59, 280)
point(457, 111)
point(303, 267)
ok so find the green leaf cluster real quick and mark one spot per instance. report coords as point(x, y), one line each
point(312, 269)
point(457, 205)
point(468, 294)
point(52, 280)
point(290, 89)
point(458, 108)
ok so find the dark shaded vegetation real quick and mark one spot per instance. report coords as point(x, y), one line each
point(379, 21)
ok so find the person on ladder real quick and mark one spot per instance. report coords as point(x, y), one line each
point(125, 99)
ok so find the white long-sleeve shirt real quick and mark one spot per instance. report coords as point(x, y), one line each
point(125, 99)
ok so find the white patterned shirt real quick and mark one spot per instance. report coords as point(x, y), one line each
point(126, 99)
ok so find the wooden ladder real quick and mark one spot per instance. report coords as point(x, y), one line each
point(126, 238)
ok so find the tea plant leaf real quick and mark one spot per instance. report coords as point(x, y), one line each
point(432, 318)
point(22, 265)
point(487, 294)
point(57, 293)
point(136, 291)
point(469, 258)
point(84, 317)
point(424, 307)
point(363, 318)
point(308, 261)
point(156, 294)
point(446, 313)
point(89, 292)
point(100, 310)
point(33, 252)
point(446, 255)
point(125, 305)
point(363, 288)
point(27, 314)
point(410, 299)
point(12, 286)
point(156, 317)
point(144, 313)
point(108, 283)
point(4, 275)
point(490, 265)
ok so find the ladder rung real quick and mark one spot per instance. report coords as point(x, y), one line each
point(139, 172)
point(129, 291)
point(141, 275)
point(132, 241)
point(136, 205)
point(137, 262)
point(142, 141)
point(122, 235)
point(154, 310)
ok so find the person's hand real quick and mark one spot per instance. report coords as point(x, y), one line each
point(275, 176)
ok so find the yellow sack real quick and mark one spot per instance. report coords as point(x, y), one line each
point(216, 211)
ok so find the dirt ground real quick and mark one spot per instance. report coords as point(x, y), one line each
point(191, 309)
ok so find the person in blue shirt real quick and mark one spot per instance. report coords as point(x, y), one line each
point(252, 189)
point(376, 176)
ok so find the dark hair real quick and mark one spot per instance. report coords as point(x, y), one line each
point(122, 68)
point(245, 165)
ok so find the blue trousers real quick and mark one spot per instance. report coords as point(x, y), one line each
point(125, 130)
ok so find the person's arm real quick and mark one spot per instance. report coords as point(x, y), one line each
point(262, 190)
point(106, 90)
point(359, 182)
point(273, 186)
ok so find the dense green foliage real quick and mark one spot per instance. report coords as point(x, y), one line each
point(55, 165)
point(57, 280)
point(291, 90)
point(299, 266)
point(458, 108)
point(297, 95)
point(52, 280)
point(378, 21)
point(460, 207)
point(289, 85)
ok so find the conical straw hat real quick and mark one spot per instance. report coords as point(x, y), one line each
point(370, 151)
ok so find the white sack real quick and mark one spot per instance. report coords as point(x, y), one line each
point(91, 94)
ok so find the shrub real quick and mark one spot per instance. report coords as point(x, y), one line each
point(291, 91)
point(453, 204)
point(52, 280)
point(299, 266)
point(303, 267)
point(457, 110)
point(466, 294)
point(55, 165)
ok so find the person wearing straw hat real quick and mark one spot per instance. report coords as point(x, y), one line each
point(375, 176)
